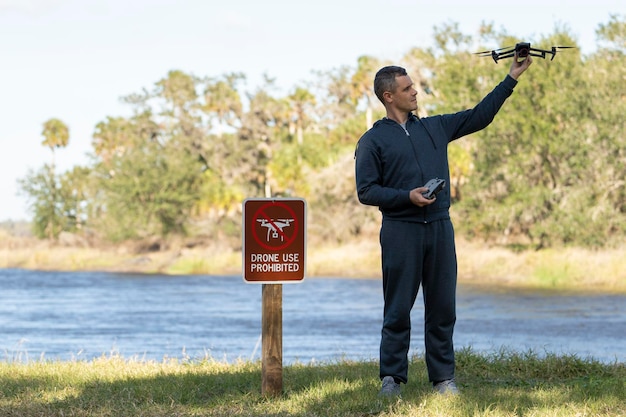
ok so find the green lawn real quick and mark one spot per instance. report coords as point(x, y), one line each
point(501, 384)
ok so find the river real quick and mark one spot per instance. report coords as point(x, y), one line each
point(83, 315)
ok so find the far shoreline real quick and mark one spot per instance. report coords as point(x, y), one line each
point(563, 270)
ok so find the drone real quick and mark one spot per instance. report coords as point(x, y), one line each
point(523, 50)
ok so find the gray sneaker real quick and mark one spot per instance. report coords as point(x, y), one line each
point(390, 387)
point(446, 387)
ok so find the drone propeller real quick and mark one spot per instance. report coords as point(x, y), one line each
point(556, 49)
point(489, 52)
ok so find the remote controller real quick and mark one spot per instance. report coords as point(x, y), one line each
point(434, 186)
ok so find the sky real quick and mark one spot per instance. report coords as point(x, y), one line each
point(75, 59)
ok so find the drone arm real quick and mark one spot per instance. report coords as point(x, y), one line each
point(506, 55)
point(542, 52)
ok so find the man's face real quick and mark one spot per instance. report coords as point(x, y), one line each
point(404, 98)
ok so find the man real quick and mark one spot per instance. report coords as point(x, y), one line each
point(394, 160)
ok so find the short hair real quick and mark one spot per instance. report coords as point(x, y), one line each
point(385, 80)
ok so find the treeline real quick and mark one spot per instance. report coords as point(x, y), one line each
point(549, 170)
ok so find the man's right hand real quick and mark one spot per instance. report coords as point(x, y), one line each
point(518, 67)
point(416, 197)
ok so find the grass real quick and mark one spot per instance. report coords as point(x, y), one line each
point(501, 384)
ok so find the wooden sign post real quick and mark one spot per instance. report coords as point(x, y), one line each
point(272, 340)
point(274, 249)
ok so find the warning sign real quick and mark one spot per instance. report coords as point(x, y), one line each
point(274, 240)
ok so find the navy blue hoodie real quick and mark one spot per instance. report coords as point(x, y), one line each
point(390, 162)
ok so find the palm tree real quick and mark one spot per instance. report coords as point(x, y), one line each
point(301, 101)
point(56, 135)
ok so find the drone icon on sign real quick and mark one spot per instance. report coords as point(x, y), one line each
point(275, 227)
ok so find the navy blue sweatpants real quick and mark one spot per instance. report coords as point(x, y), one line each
point(415, 254)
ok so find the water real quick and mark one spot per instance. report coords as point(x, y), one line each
point(83, 315)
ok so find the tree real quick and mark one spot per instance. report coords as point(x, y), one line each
point(302, 102)
point(74, 196)
point(179, 90)
point(43, 187)
point(148, 187)
point(613, 33)
point(362, 85)
point(150, 166)
point(222, 98)
point(42, 191)
point(114, 136)
point(264, 127)
point(548, 171)
point(56, 135)
point(334, 97)
point(539, 164)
